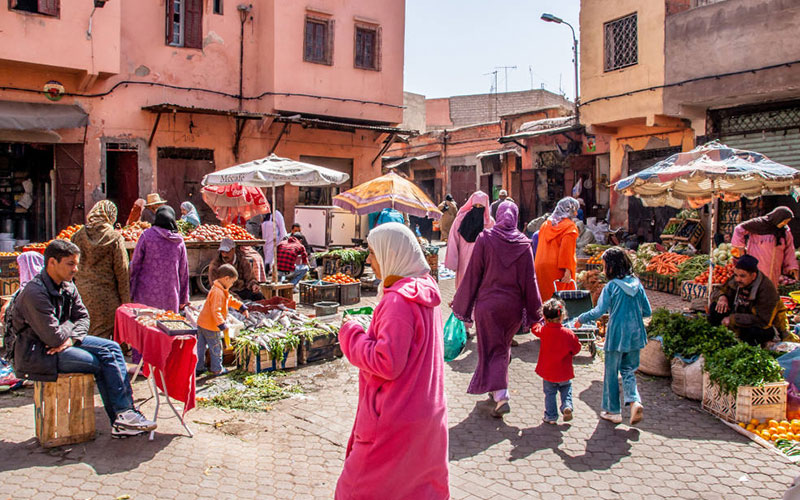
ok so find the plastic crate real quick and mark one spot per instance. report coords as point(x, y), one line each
point(767, 402)
point(349, 294)
point(320, 348)
point(311, 292)
point(361, 310)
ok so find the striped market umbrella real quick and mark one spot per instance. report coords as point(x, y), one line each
point(387, 191)
point(706, 174)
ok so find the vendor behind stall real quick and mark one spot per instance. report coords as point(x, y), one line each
point(154, 202)
point(246, 286)
point(292, 260)
point(749, 304)
point(769, 240)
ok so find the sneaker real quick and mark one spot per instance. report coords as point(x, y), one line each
point(133, 419)
point(567, 413)
point(611, 417)
point(548, 421)
point(501, 409)
point(118, 432)
point(637, 412)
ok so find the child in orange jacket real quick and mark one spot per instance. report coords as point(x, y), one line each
point(211, 321)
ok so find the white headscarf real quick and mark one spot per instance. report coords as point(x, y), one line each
point(398, 251)
point(565, 209)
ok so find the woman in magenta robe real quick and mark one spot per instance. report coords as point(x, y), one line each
point(499, 292)
point(472, 218)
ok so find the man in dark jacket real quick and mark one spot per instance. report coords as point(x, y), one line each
point(50, 324)
point(749, 304)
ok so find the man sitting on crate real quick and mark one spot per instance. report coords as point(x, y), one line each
point(749, 304)
point(292, 260)
point(47, 332)
point(246, 286)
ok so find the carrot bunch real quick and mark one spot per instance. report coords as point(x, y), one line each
point(666, 264)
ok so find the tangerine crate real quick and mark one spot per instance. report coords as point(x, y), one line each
point(64, 410)
point(767, 402)
point(349, 294)
point(312, 292)
point(264, 362)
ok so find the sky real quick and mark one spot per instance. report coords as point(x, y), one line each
point(451, 44)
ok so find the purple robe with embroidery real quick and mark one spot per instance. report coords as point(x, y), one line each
point(159, 270)
point(499, 291)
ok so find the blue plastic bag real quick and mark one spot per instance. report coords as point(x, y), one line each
point(455, 338)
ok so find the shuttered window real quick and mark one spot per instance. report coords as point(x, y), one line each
point(185, 23)
point(44, 7)
point(318, 45)
point(367, 48)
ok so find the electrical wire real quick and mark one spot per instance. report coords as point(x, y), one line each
point(691, 80)
point(206, 91)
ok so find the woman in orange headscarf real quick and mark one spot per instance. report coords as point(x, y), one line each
point(555, 254)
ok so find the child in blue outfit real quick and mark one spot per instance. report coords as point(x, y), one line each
point(625, 300)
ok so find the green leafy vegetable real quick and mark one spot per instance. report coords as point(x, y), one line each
point(740, 365)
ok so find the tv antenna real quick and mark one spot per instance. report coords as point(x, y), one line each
point(505, 69)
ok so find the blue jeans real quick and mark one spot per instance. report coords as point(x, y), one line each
point(297, 275)
point(211, 340)
point(624, 363)
point(102, 358)
point(550, 390)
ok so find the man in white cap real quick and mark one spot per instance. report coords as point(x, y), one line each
point(246, 287)
point(501, 197)
point(154, 201)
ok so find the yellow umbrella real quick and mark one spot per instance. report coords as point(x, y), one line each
point(387, 191)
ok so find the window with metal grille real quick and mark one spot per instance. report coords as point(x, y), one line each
point(367, 48)
point(318, 46)
point(185, 23)
point(753, 118)
point(621, 43)
point(44, 7)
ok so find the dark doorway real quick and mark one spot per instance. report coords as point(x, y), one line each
point(122, 177)
point(180, 173)
point(648, 222)
point(523, 190)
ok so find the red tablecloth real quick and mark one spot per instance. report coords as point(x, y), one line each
point(175, 356)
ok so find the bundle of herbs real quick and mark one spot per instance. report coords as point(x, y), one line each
point(688, 336)
point(742, 365)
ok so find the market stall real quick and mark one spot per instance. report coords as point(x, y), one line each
point(168, 361)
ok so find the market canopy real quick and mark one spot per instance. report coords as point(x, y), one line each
point(40, 116)
point(387, 191)
point(274, 171)
point(233, 202)
point(708, 171)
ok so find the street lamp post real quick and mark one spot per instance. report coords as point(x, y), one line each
point(550, 18)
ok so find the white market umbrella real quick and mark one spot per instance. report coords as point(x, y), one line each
point(708, 173)
point(274, 171)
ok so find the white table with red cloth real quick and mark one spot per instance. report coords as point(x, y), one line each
point(169, 362)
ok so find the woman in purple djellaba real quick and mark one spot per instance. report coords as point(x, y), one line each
point(499, 292)
point(159, 269)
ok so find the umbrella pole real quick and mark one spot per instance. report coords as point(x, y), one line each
point(711, 226)
point(274, 239)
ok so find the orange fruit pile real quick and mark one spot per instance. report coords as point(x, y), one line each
point(340, 278)
point(774, 430)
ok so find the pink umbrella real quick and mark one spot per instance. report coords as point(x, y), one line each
point(233, 203)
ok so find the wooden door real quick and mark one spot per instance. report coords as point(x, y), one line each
point(179, 180)
point(462, 183)
point(523, 190)
point(69, 185)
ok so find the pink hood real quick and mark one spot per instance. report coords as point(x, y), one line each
point(422, 291)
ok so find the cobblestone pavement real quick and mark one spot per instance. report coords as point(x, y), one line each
point(296, 449)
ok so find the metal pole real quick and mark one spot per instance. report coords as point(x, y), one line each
point(274, 238)
point(712, 224)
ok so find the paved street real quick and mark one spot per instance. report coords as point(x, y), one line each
point(296, 449)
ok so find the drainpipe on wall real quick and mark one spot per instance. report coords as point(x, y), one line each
point(244, 12)
point(445, 172)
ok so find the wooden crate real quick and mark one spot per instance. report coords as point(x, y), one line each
point(310, 293)
point(763, 403)
point(270, 290)
point(9, 267)
point(8, 285)
point(64, 410)
point(695, 237)
point(667, 239)
point(321, 347)
point(264, 362)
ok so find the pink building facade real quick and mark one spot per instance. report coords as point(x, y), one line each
point(156, 94)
